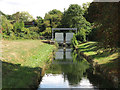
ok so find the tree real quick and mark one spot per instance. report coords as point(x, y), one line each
point(85, 7)
point(16, 16)
point(18, 28)
point(13, 26)
point(52, 19)
point(25, 17)
point(7, 27)
point(71, 15)
point(22, 16)
point(105, 17)
point(40, 23)
point(73, 18)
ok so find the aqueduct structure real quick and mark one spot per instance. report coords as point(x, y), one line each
point(64, 35)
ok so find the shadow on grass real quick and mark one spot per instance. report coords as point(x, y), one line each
point(113, 68)
point(110, 67)
point(17, 76)
point(113, 64)
point(89, 47)
point(101, 55)
point(93, 47)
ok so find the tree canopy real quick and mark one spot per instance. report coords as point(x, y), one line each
point(24, 24)
point(105, 17)
point(94, 21)
point(73, 17)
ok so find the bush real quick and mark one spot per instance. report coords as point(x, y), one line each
point(6, 27)
point(34, 29)
point(12, 36)
point(74, 41)
point(17, 27)
point(81, 35)
point(47, 32)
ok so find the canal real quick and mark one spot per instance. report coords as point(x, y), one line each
point(70, 70)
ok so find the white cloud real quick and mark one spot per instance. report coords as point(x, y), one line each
point(37, 7)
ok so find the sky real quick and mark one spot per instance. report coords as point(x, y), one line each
point(37, 7)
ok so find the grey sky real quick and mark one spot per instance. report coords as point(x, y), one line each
point(37, 7)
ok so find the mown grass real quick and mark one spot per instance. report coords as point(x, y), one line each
point(107, 59)
point(22, 62)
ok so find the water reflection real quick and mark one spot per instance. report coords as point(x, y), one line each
point(58, 81)
point(70, 70)
point(67, 71)
point(63, 54)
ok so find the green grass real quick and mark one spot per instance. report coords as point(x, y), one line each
point(22, 62)
point(107, 59)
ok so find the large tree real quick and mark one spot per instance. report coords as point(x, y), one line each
point(105, 17)
point(25, 17)
point(52, 19)
point(22, 16)
point(40, 23)
point(73, 18)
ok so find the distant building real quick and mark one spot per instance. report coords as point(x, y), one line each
point(27, 24)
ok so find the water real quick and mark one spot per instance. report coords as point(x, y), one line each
point(70, 70)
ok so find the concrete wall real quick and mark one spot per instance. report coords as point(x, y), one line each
point(69, 36)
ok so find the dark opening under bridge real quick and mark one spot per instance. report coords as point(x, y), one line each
point(64, 36)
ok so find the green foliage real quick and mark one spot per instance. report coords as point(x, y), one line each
point(34, 29)
point(56, 44)
point(18, 27)
point(31, 33)
point(22, 16)
point(14, 28)
point(17, 30)
point(25, 17)
point(81, 35)
point(26, 64)
point(73, 18)
point(52, 19)
point(85, 7)
point(47, 32)
point(74, 41)
point(40, 23)
point(15, 16)
point(6, 27)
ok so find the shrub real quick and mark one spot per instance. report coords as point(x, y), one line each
point(34, 29)
point(81, 35)
point(6, 27)
point(47, 32)
point(74, 41)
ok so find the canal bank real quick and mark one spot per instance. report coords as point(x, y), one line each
point(23, 62)
point(104, 62)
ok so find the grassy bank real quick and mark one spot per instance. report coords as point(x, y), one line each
point(22, 62)
point(107, 59)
